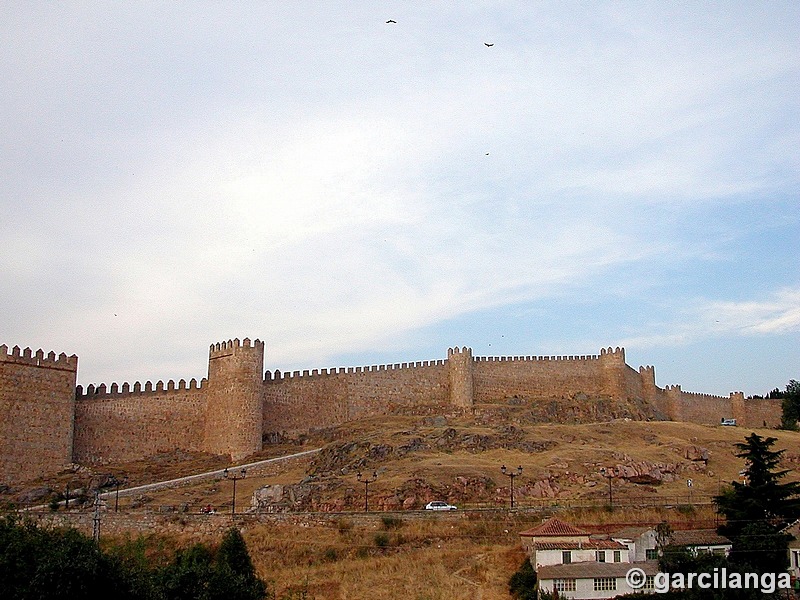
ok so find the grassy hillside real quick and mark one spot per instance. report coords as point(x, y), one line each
point(456, 459)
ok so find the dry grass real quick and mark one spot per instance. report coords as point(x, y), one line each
point(430, 559)
point(443, 559)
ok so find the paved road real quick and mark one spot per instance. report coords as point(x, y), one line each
point(149, 487)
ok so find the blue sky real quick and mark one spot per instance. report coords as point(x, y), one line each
point(359, 192)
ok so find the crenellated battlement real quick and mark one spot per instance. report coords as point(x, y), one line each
point(137, 389)
point(535, 358)
point(277, 375)
point(38, 358)
point(229, 411)
point(618, 353)
point(232, 346)
point(456, 351)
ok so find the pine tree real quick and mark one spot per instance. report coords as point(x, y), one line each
point(522, 585)
point(758, 508)
point(762, 497)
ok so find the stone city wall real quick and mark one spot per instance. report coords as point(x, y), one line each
point(42, 427)
point(128, 423)
point(37, 403)
point(323, 398)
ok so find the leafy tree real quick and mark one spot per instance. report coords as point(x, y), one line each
point(663, 536)
point(235, 574)
point(187, 578)
point(522, 585)
point(790, 404)
point(50, 563)
point(40, 563)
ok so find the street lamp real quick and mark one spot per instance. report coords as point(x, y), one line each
point(511, 474)
point(116, 483)
point(607, 473)
point(366, 481)
point(228, 475)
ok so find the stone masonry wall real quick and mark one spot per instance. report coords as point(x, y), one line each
point(498, 378)
point(234, 408)
point(231, 411)
point(127, 424)
point(755, 412)
point(37, 402)
point(302, 401)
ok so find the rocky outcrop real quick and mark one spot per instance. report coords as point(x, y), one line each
point(578, 408)
point(696, 453)
point(351, 457)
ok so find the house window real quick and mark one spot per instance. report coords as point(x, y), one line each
point(605, 584)
point(651, 554)
point(796, 558)
point(617, 556)
point(600, 556)
point(564, 585)
point(649, 582)
point(566, 557)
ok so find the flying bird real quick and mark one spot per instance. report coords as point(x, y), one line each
point(391, 21)
point(488, 45)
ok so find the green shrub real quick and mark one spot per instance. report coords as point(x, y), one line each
point(392, 522)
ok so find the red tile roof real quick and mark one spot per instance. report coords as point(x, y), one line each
point(582, 545)
point(698, 537)
point(554, 528)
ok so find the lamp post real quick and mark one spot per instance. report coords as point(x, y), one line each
point(511, 474)
point(607, 473)
point(366, 481)
point(229, 475)
point(116, 482)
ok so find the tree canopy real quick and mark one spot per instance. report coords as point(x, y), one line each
point(790, 404)
point(757, 509)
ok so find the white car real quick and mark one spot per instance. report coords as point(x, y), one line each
point(439, 505)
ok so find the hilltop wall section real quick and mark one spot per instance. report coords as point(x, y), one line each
point(37, 403)
point(322, 398)
point(126, 423)
point(548, 377)
point(45, 421)
point(709, 409)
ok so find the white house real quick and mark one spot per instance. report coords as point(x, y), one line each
point(579, 566)
point(793, 529)
point(569, 560)
point(641, 541)
point(698, 541)
point(594, 580)
point(555, 542)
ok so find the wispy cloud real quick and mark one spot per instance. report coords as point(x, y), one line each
point(777, 313)
point(310, 176)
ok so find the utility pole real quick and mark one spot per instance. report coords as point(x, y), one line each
point(607, 473)
point(96, 519)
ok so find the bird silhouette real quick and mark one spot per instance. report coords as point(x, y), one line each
point(488, 45)
point(391, 21)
